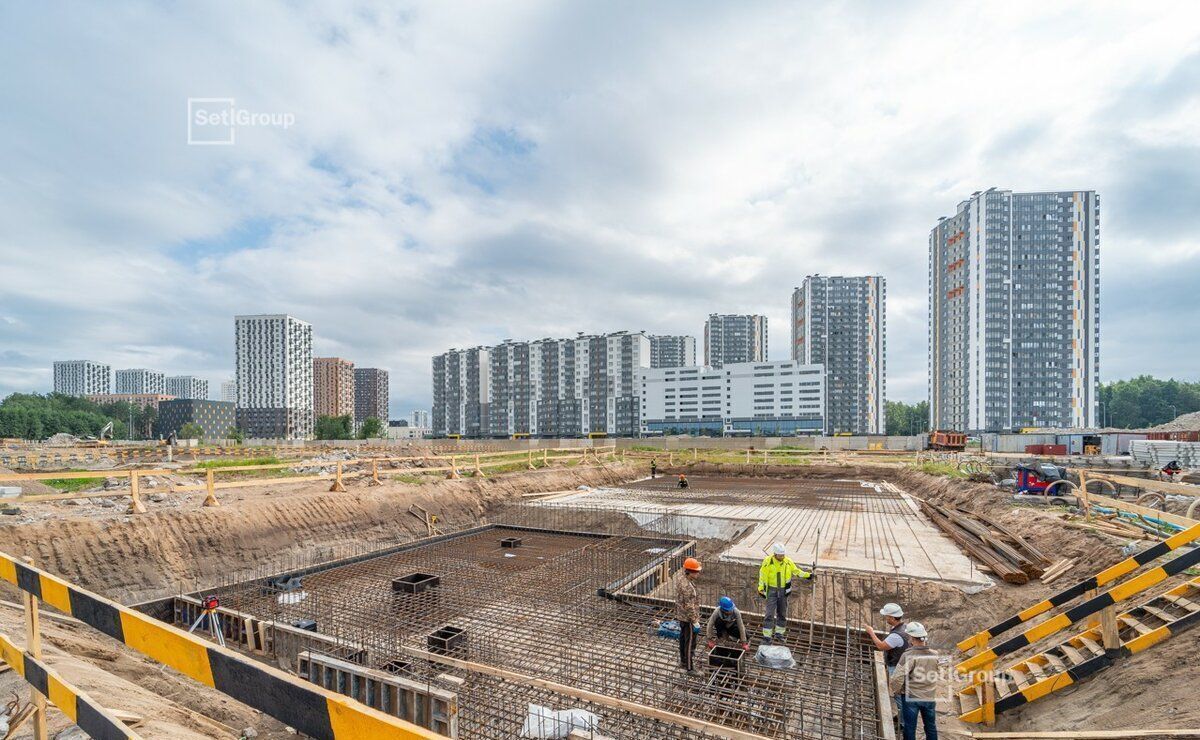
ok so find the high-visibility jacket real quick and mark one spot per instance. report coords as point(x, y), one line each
point(779, 573)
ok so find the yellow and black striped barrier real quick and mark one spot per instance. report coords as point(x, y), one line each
point(308, 708)
point(1130, 588)
point(1104, 577)
point(92, 718)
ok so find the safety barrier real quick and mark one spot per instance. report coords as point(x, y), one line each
point(1110, 574)
point(475, 464)
point(92, 718)
point(310, 709)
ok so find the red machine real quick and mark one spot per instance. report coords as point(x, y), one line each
point(1036, 478)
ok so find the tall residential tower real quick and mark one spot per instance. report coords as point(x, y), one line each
point(370, 394)
point(333, 387)
point(274, 376)
point(732, 338)
point(1014, 312)
point(672, 350)
point(82, 377)
point(839, 322)
point(139, 380)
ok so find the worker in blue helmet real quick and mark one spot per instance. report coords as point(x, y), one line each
point(725, 623)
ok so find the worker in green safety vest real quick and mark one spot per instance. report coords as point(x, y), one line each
point(775, 585)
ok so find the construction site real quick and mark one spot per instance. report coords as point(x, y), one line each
point(476, 592)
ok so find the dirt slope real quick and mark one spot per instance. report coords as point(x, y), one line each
point(133, 558)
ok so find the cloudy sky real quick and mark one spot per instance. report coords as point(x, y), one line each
point(457, 174)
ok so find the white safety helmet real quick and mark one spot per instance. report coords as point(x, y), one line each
point(778, 549)
point(892, 610)
point(917, 630)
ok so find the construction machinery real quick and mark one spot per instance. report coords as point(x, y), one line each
point(947, 441)
point(1037, 479)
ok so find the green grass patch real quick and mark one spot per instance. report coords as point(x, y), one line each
point(238, 463)
point(944, 469)
point(418, 480)
point(73, 485)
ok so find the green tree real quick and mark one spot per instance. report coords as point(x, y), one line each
point(191, 430)
point(1144, 401)
point(905, 418)
point(372, 428)
point(236, 435)
point(333, 427)
point(33, 416)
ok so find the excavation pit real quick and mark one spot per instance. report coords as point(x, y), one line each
point(565, 621)
point(415, 583)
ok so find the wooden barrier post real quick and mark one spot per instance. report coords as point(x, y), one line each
point(135, 506)
point(766, 457)
point(33, 644)
point(531, 459)
point(545, 457)
point(1108, 628)
point(1087, 502)
point(374, 474)
point(338, 486)
point(211, 498)
point(453, 474)
point(478, 473)
point(747, 455)
point(695, 454)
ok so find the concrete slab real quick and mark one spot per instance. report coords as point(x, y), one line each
point(880, 531)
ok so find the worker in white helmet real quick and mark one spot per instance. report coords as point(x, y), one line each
point(896, 640)
point(893, 644)
point(915, 682)
point(775, 578)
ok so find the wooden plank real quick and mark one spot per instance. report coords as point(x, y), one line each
point(1071, 652)
point(1177, 520)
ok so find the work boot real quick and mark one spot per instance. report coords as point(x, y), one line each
point(766, 641)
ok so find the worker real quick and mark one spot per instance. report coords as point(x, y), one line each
point(687, 611)
point(896, 641)
point(726, 623)
point(683, 481)
point(653, 468)
point(1172, 471)
point(775, 578)
point(914, 684)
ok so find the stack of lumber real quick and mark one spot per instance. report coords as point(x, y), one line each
point(1108, 524)
point(1003, 552)
point(1054, 572)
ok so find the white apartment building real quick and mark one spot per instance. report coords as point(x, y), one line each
point(187, 387)
point(139, 380)
point(545, 388)
point(668, 350)
point(229, 391)
point(735, 338)
point(274, 364)
point(1014, 312)
point(781, 398)
point(419, 419)
point(82, 377)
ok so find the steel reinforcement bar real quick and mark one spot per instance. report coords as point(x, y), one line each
point(80, 708)
point(312, 710)
point(980, 639)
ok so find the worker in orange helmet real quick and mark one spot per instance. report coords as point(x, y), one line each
point(683, 481)
point(687, 611)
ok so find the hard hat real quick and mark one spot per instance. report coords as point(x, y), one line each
point(778, 549)
point(726, 604)
point(917, 630)
point(891, 610)
point(692, 564)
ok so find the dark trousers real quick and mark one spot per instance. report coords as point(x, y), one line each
point(911, 710)
point(687, 645)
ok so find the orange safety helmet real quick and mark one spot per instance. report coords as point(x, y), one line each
point(693, 565)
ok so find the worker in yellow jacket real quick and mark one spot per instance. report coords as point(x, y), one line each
point(775, 585)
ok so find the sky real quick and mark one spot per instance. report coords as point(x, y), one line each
point(421, 176)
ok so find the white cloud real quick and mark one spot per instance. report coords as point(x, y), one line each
point(461, 174)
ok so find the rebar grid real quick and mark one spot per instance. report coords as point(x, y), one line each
point(817, 493)
point(535, 610)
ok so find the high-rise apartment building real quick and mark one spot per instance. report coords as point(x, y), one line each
point(187, 387)
point(82, 377)
point(672, 351)
point(333, 387)
point(1014, 312)
point(839, 322)
point(460, 392)
point(370, 394)
point(734, 338)
point(419, 419)
point(139, 380)
point(229, 391)
point(545, 388)
point(274, 376)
